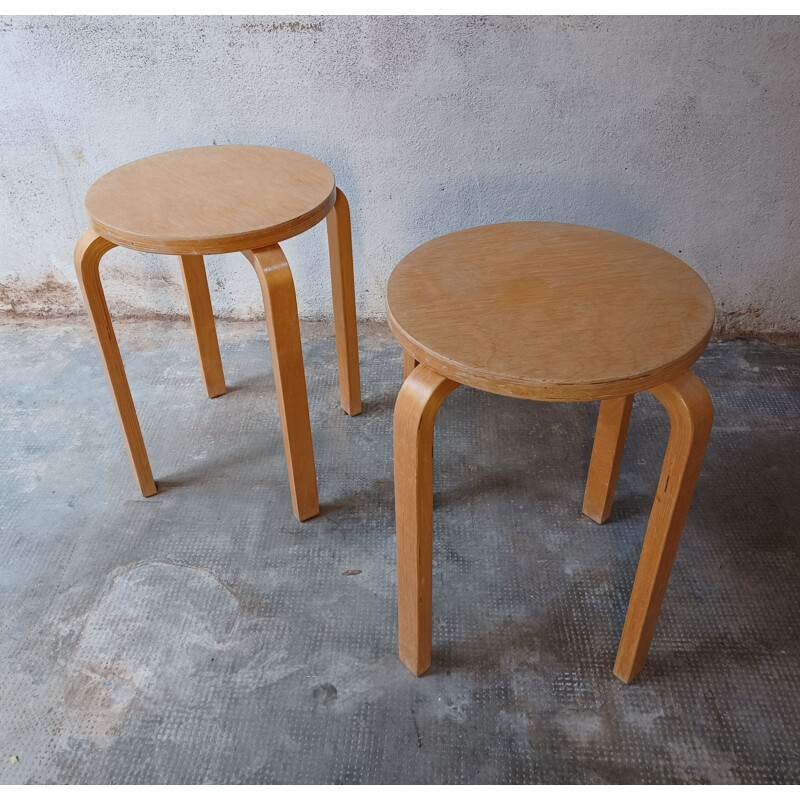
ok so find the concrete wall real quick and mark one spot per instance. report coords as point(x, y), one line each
point(680, 131)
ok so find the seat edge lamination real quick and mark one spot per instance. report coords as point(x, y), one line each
point(570, 271)
point(542, 390)
point(217, 245)
point(211, 200)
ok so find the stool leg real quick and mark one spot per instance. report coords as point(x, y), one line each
point(609, 442)
point(409, 364)
point(691, 414)
point(344, 304)
point(417, 403)
point(90, 249)
point(283, 327)
point(202, 316)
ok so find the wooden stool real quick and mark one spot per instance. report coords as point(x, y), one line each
point(205, 200)
point(549, 312)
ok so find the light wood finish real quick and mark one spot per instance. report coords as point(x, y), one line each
point(409, 364)
point(344, 304)
point(417, 403)
point(217, 199)
point(283, 326)
point(609, 442)
point(90, 249)
point(549, 311)
point(202, 316)
point(691, 414)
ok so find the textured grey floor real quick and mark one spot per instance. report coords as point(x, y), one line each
point(204, 635)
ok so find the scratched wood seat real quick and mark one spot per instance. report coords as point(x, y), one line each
point(555, 312)
point(222, 199)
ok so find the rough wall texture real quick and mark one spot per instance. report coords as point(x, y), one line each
point(679, 131)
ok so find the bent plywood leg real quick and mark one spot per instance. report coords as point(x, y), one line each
point(90, 249)
point(202, 316)
point(417, 403)
point(409, 364)
point(344, 304)
point(609, 442)
point(283, 326)
point(691, 414)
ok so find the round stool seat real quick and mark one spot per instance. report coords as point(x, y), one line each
point(549, 311)
point(205, 200)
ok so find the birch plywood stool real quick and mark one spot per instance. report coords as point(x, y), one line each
point(205, 200)
point(547, 311)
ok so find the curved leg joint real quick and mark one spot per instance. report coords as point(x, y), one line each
point(417, 403)
point(344, 304)
point(283, 325)
point(90, 249)
point(409, 364)
point(691, 414)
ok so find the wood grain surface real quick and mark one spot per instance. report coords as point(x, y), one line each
point(549, 311)
point(691, 414)
point(283, 325)
point(215, 199)
point(609, 443)
point(88, 252)
point(415, 413)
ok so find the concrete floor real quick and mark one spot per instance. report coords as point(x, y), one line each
point(204, 635)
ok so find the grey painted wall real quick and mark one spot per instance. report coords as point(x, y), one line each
point(679, 131)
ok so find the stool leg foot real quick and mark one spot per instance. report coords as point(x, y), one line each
point(609, 442)
point(409, 364)
point(283, 326)
point(417, 403)
point(691, 414)
point(344, 304)
point(202, 316)
point(90, 249)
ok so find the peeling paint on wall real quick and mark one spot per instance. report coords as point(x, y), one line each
point(679, 131)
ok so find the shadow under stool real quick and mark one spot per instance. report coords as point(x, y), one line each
point(222, 199)
point(549, 311)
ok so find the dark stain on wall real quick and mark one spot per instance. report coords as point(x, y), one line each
point(48, 298)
